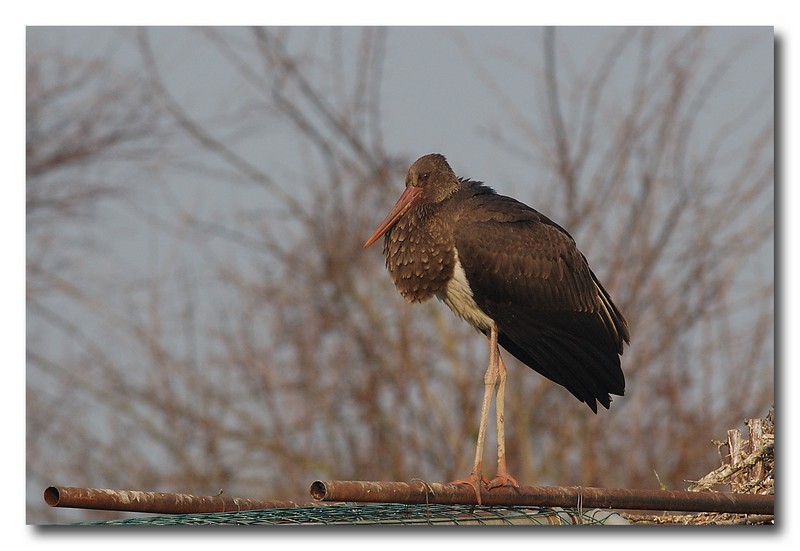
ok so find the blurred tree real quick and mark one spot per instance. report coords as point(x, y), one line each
point(83, 119)
point(675, 215)
point(298, 360)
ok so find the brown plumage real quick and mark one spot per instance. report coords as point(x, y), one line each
point(514, 274)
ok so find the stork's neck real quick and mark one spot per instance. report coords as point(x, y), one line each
point(419, 252)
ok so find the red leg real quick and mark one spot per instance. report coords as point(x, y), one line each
point(502, 478)
point(490, 382)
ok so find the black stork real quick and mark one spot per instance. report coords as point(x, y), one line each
point(517, 277)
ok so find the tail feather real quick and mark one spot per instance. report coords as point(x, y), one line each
point(571, 349)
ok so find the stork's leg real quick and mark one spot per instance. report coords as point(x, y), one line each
point(502, 478)
point(490, 382)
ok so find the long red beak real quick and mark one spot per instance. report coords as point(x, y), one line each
point(406, 201)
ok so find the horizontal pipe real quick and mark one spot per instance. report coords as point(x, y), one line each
point(543, 496)
point(154, 502)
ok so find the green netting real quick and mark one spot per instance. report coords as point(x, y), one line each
point(388, 514)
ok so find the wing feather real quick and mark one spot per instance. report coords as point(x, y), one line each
point(553, 314)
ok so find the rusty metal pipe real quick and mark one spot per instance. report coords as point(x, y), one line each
point(543, 496)
point(154, 502)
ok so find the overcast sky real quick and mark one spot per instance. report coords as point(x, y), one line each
point(443, 89)
point(436, 93)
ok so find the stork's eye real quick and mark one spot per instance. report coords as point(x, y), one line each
point(423, 178)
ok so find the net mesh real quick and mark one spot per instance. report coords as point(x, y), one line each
point(432, 514)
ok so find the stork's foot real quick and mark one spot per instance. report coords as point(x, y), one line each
point(475, 480)
point(502, 480)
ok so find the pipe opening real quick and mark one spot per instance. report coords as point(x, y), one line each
point(318, 490)
point(51, 496)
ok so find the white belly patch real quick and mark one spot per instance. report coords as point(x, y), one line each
point(458, 297)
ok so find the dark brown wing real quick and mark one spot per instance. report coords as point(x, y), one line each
point(553, 314)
